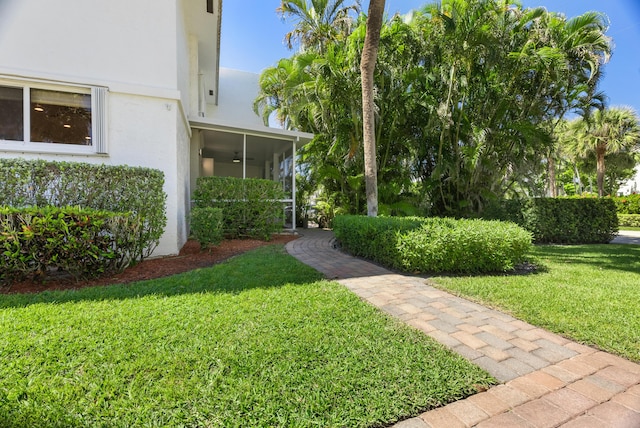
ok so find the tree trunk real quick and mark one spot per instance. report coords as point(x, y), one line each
point(553, 191)
point(601, 150)
point(367, 67)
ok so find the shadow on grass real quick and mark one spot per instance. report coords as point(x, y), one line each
point(265, 267)
point(620, 257)
point(532, 267)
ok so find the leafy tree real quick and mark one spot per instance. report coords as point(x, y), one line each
point(467, 95)
point(609, 131)
point(321, 93)
point(502, 76)
point(318, 22)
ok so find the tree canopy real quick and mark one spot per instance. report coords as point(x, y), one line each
point(611, 131)
point(467, 96)
point(318, 22)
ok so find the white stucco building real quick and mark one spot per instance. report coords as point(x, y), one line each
point(632, 185)
point(141, 85)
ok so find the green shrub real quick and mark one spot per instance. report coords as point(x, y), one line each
point(206, 225)
point(83, 242)
point(629, 204)
point(42, 183)
point(466, 246)
point(506, 210)
point(629, 220)
point(572, 220)
point(420, 245)
point(373, 239)
point(250, 207)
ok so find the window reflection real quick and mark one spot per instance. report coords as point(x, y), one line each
point(60, 117)
point(11, 116)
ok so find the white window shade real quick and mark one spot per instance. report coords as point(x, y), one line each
point(99, 108)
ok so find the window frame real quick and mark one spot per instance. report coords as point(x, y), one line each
point(98, 119)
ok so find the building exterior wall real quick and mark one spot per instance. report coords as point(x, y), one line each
point(183, 53)
point(632, 185)
point(142, 132)
point(132, 42)
point(197, 143)
point(183, 178)
point(238, 90)
point(157, 61)
point(131, 48)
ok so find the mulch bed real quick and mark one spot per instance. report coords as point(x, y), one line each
point(190, 257)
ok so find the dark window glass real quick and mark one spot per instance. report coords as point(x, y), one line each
point(11, 114)
point(60, 117)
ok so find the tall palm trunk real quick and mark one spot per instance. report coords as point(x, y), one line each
point(367, 67)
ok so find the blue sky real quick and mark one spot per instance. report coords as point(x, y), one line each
point(252, 37)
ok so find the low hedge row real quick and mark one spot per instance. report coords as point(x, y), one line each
point(250, 207)
point(421, 245)
point(570, 220)
point(629, 220)
point(115, 188)
point(82, 242)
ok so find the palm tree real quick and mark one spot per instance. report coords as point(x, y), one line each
point(367, 67)
point(608, 131)
point(317, 21)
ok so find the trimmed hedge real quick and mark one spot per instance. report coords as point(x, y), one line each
point(83, 242)
point(373, 238)
point(629, 220)
point(40, 183)
point(250, 207)
point(560, 220)
point(427, 245)
point(206, 225)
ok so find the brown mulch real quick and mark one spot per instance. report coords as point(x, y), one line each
point(190, 257)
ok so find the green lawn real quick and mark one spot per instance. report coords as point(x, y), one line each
point(256, 341)
point(629, 228)
point(590, 293)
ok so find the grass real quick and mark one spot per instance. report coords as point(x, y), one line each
point(256, 341)
point(629, 228)
point(590, 293)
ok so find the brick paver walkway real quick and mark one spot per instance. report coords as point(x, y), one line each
point(548, 381)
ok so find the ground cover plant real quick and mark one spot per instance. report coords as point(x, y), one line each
point(589, 293)
point(256, 341)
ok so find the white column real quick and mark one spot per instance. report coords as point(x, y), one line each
point(293, 186)
point(276, 167)
point(244, 156)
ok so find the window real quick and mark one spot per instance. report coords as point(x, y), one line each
point(60, 117)
point(52, 119)
point(11, 111)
